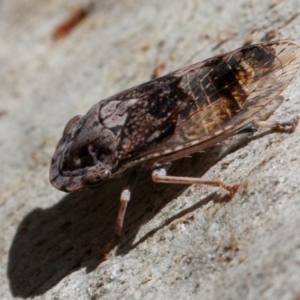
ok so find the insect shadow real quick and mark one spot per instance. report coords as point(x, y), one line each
point(52, 243)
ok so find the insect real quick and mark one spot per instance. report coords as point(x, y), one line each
point(157, 122)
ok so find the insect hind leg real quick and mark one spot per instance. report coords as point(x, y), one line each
point(256, 124)
point(292, 124)
point(160, 176)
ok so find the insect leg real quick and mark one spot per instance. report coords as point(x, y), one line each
point(277, 125)
point(160, 175)
point(124, 199)
point(255, 125)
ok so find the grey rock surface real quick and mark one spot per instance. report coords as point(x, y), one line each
point(180, 242)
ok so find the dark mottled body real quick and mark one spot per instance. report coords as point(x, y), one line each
point(172, 116)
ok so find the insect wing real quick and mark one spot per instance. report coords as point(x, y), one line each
point(225, 92)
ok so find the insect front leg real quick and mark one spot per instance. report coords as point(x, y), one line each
point(160, 175)
point(124, 199)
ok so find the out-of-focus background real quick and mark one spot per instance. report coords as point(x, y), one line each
point(57, 59)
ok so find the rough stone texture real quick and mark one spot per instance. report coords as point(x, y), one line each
point(183, 242)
